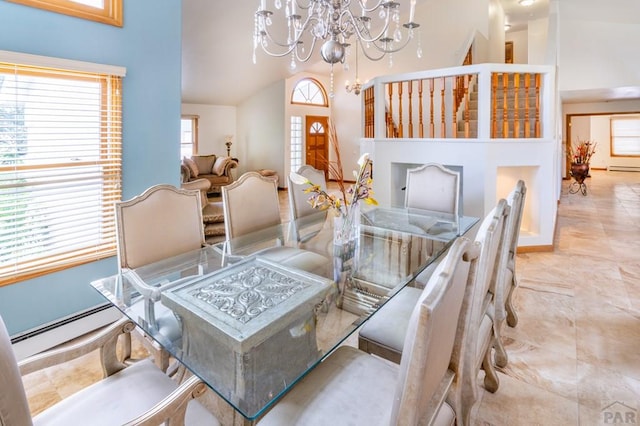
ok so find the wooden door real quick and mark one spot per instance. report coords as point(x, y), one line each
point(317, 142)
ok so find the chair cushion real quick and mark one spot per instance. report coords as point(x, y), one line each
point(204, 162)
point(120, 398)
point(220, 165)
point(194, 171)
point(389, 325)
point(296, 258)
point(341, 390)
point(213, 213)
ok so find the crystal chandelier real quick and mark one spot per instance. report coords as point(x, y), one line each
point(332, 22)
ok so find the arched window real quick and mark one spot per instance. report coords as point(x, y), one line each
point(309, 91)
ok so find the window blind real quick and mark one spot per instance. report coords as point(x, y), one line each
point(60, 168)
point(625, 136)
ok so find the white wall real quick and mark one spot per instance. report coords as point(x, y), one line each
point(599, 44)
point(214, 123)
point(496, 33)
point(537, 41)
point(261, 131)
point(520, 46)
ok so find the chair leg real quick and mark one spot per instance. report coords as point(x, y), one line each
point(512, 316)
point(501, 357)
point(491, 380)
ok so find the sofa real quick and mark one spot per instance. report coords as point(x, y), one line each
point(216, 169)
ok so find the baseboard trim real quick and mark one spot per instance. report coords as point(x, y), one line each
point(60, 331)
point(535, 249)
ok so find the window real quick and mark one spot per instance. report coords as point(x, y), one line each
point(309, 92)
point(60, 166)
point(625, 136)
point(296, 143)
point(105, 11)
point(188, 135)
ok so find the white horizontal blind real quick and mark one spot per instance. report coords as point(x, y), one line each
point(60, 168)
point(625, 136)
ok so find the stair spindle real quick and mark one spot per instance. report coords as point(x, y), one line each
point(456, 89)
point(443, 124)
point(494, 105)
point(421, 123)
point(527, 123)
point(537, 129)
point(466, 105)
point(400, 124)
point(505, 105)
point(432, 125)
point(516, 121)
point(410, 90)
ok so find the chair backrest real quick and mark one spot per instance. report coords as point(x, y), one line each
point(14, 408)
point(464, 359)
point(162, 222)
point(431, 335)
point(251, 203)
point(298, 199)
point(508, 247)
point(516, 201)
point(433, 187)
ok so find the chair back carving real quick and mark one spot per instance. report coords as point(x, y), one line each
point(298, 199)
point(433, 187)
point(250, 204)
point(425, 377)
point(162, 222)
point(14, 408)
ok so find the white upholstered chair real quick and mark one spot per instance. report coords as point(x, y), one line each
point(251, 204)
point(162, 222)
point(506, 280)
point(306, 221)
point(385, 333)
point(298, 199)
point(434, 188)
point(137, 393)
point(353, 387)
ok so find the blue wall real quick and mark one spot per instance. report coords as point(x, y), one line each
point(149, 47)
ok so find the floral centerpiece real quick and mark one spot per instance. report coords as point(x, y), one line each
point(345, 204)
point(581, 152)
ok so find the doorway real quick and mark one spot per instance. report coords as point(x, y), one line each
point(317, 142)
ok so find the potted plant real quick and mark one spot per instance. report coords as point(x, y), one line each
point(580, 155)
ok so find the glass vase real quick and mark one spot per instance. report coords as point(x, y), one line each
point(346, 237)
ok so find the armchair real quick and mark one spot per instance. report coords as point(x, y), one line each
point(131, 393)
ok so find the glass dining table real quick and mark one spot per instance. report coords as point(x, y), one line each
point(252, 315)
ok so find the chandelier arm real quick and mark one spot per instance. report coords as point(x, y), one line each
point(362, 35)
point(305, 59)
point(394, 50)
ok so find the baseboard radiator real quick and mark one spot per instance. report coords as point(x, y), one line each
point(623, 168)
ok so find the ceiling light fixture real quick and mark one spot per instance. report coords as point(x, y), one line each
point(526, 2)
point(507, 26)
point(332, 22)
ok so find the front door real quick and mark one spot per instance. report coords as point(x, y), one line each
point(317, 142)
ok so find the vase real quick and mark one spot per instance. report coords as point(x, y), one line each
point(346, 233)
point(579, 172)
point(346, 238)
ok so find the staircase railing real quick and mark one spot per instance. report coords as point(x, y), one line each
point(505, 101)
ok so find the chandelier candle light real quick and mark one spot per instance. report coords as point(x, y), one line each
point(376, 26)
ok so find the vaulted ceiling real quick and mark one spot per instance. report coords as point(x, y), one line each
point(217, 66)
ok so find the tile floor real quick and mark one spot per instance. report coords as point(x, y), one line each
point(574, 357)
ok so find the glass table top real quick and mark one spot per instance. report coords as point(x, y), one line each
point(252, 315)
